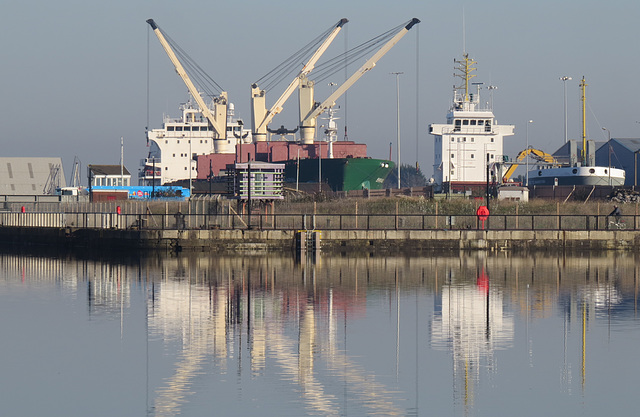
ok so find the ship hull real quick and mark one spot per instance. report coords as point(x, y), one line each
point(577, 176)
point(341, 174)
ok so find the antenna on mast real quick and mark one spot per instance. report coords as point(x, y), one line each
point(464, 35)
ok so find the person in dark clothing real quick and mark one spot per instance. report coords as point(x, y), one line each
point(616, 213)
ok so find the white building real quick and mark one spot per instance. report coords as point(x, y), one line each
point(31, 176)
point(109, 176)
point(471, 139)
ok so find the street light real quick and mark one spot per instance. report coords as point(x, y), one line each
point(635, 168)
point(397, 74)
point(564, 82)
point(529, 122)
point(609, 149)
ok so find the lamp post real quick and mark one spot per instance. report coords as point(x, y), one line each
point(635, 168)
point(190, 160)
point(564, 82)
point(397, 74)
point(528, 123)
point(609, 151)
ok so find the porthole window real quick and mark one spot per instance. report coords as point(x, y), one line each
point(575, 171)
point(539, 173)
point(592, 171)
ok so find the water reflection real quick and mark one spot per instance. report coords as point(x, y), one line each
point(359, 336)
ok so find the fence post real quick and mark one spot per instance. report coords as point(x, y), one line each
point(533, 226)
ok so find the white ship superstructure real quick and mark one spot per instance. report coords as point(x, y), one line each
point(471, 139)
point(173, 149)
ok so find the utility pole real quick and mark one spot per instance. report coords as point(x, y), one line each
point(397, 74)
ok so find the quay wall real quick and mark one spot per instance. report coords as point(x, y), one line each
point(330, 241)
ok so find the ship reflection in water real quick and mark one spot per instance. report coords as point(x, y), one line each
point(202, 335)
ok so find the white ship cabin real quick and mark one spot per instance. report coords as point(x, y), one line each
point(470, 137)
point(109, 176)
point(173, 148)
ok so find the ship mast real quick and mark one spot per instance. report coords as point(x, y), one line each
point(583, 89)
point(465, 68)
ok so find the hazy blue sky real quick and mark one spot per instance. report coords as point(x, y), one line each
point(74, 73)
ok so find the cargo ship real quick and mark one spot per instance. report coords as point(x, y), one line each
point(207, 139)
point(343, 165)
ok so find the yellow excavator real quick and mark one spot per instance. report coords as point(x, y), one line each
point(535, 154)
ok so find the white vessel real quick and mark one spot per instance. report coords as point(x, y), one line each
point(471, 139)
point(578, 175)
point(173, 149)
point(584, 173)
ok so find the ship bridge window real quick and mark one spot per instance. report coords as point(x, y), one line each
point(473, 122)
point(487, 126)
point(457, 125)
point(465, 122)
point(171, 128)
point(178, 128)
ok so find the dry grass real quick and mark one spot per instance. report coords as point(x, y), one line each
point(417, 205)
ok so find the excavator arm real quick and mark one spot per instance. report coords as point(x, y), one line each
point(536, 154)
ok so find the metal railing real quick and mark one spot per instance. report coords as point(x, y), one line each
point(179, 221)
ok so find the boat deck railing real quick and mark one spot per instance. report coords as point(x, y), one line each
point(262, 221)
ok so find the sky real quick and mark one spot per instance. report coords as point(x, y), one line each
point(76, 74)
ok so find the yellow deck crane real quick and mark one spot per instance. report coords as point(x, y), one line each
point(310, 109)
point(218, 117)
point(260, 117)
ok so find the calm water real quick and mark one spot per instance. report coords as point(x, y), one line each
point(196, 335)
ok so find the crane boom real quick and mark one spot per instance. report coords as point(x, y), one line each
point(307, 123)
point(219, 120)
point(308, 67)
point(258, 102)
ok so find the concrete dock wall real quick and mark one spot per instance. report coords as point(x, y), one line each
point(331, 241)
